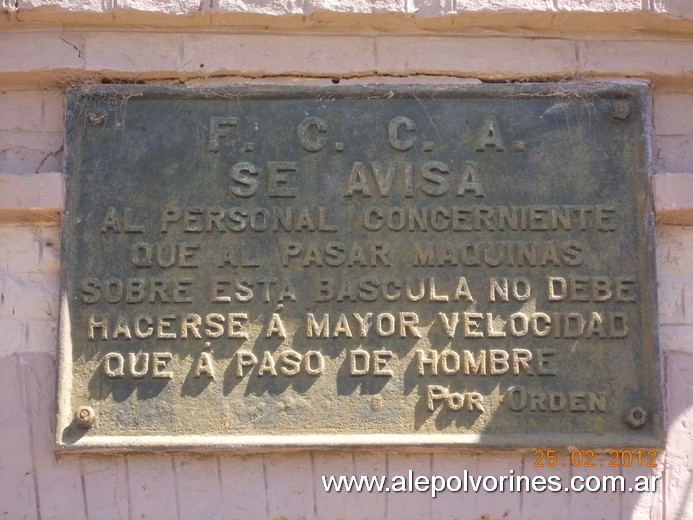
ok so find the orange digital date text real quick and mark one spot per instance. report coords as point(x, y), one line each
point(585, 458)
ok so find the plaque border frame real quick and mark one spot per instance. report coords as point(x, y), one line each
point(636, 92)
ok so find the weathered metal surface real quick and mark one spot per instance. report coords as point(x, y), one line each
point(367, 266)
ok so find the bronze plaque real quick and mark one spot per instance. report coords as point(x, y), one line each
point(367, 266)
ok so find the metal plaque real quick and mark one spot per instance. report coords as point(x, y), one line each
point(367, 266)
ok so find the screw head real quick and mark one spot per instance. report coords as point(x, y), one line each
point(95, 120)
point(621, 109)
point(85, 416)
point(636, 417)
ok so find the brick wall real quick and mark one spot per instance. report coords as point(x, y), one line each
point(47, 45)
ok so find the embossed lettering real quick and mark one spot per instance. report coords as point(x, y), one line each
point(518, 399)
point(116, 223)
point(455, 401)
point(308, 133)
point(401, 133)
point(218, 128)
point(490, 136)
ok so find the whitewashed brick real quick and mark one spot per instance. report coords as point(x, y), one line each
point(268, 7)
point(255, 54)
point(372, 463)
point(673, 113)
point(688, 303)
point(355, 6)
point(171, 7)
point(17, 478)
point(30, 152)
point(499, 505)
point(674, 153)
point(172, 54)
point(30, 295)
point(33, 198)
point(244, 481)
point(672, 198)
point(153, 489)
point(645, 505)
point(430, 8)
point(335, 505)
point(600, 6)
point(670, 299)
point(446, 465)
point(593, 505)
point(279, 54)
point(75, 6)
point(49, 254)
point(31, 111)
point(409, 504)
point(676, 338)
point(117, 52)
point(293, 474)
point(53, 110)
point(506, 6)
point(40, 336)
point(481, 57)
point(19, 248)
point(200, 494)
point(541, 505)
point(679, 495)
point(674, 251)
point(105, 486)
point(636, 58)
point(11, 335)
point(679, 492)
point(31, 51)
point(59, 480)
point(482, 504)
point(674, 8)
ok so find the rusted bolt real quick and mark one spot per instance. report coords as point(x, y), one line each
point(95, 120)
point(636, 417)
point(84, 417)
point(621, 109)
